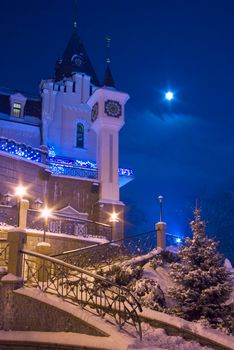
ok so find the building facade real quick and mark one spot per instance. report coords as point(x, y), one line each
point(64, 143)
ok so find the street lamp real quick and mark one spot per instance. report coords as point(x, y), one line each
point(160, 199)
point(20, 192)
point(45, 214)
point(114, 219)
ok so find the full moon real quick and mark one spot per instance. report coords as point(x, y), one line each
point(169, 95)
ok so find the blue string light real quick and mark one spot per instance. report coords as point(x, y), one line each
point(19, 149)
point(57, 165)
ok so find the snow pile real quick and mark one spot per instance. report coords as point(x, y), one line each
point(154, 338)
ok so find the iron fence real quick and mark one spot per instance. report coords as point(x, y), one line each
point(106, 254)
point(91, 291)
point(4, 252)
point(69, 225)
point(174, 240)
point(8, 215)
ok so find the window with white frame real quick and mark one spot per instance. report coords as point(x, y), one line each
point(16, 110)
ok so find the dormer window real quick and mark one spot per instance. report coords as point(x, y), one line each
point(16, 111)
point(18, 102)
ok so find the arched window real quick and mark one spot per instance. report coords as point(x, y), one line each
point(80, 135)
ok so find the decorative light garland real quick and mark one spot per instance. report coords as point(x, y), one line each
point(58, 165)
point(80, 163)
point(20, 149)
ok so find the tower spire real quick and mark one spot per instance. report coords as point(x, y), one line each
point(75, 15)
point(108, 78)
point(108, 45)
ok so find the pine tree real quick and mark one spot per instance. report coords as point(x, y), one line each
point(202, 283)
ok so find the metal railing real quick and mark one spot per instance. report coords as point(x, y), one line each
point(8, 215)
point(106, 254)
point(72, 170)
point(59, 223)
point(91, 291)
point(4, 252)
point(21, 150)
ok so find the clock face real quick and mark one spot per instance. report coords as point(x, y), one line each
point(94, 112)
point(113, 108)
point(77, 60)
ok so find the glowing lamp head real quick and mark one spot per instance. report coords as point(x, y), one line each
point(20, 191)
point(46, 212)
point(114, 217)
point(178, 240)
point(169, 96)
point(160, 199)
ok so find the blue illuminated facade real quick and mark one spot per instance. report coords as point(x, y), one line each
point(57, 165)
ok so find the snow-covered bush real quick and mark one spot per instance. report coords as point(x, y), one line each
point(149, 293)
point(203, 284)
point(169, 257)
point(165, 257)
point(223, 320)
point(156, 261)
point(123, 275)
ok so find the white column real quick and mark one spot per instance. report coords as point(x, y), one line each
point(107, 162)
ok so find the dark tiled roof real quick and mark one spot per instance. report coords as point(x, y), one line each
point(75, 59)
point(32, 106)
point(5, 104)
point(108, 78)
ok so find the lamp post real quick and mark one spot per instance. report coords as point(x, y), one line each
point(160, 199)
point(45, 214)
point(114, 219)
point(20, 192)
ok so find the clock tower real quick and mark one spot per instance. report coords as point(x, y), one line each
point(81, 122)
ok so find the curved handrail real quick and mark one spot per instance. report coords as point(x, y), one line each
point(82, 287)
point(105, 254)
point(117, 242)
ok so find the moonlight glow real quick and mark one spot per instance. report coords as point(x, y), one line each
point(169, 96)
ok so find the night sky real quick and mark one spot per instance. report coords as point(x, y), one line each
point(183, 150)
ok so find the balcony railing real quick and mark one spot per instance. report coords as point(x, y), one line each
point(68, 225)
point(72, 170)
point(58, 165)
point(21, 150)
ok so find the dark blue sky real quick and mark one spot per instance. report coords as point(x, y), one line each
point(180, 151)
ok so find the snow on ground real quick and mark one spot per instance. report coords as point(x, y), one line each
point(141, 258)
point(154, 338)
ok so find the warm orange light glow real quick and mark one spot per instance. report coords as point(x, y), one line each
point(46, 213)
point(20, 191)
point(114, 217)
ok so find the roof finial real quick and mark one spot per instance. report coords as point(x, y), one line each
point(75, 15)
point(108, 45)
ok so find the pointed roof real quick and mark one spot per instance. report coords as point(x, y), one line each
point(108, 78)
point(75, 59)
